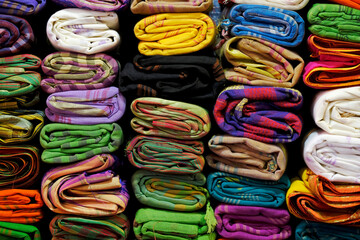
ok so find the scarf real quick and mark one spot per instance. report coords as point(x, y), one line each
point(66, 143)
point(260, 113)
point(166, 155)
point(166, 118)
point(67, 71)
point(284, 4)
point(27, 101)
point(174, 33)
point(21, 7)
point(102, 5)
point(83, 31)
point(153, 7)
point(10, 230)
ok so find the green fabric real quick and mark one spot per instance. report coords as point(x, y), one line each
point(12, 231)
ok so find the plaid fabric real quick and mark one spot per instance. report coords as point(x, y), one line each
point(19, 231)
point(21, 102)
point(65, 143)
point(80, 228)
point(100, 5)
point(67, 71)
point(238, 190)
point(166, 155)
point(349, 3)
point(17, 35)
point(87, 188)
point(284, 4)
point(149, 8)
point(21, 7)
point(259, 113)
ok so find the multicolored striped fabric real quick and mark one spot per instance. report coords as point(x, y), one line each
point(87, 188)
point(169, 6)
point(19, 231)
point(237, 190)
point(21, 7)
point(66, 143)
point(105, 105)
point(80, 228)
point(27, 101)
point(284, 4)
point(166, 155)
point(252, 223)
point(100, 5)
point(166, 118)
point(260, 113)
point(67, 71)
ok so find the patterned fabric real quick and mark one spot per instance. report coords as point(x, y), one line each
point(252, 223)
point(19, 231)
point(21, 7)
point(100, 5)
point(80, 228)
point(66, 143)
point(238, 190)
point(106, 105)
point(166, 155)
point(153, 7)
point(83, 31)
point(67, 71)
point(247, 157)
point(260, 113)
point(166, 118)
point(174, 33)
point(27, 101)
point(284, 4)
point(350, 3)
point(87, 188)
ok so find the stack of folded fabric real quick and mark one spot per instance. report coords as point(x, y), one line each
point(101, 5)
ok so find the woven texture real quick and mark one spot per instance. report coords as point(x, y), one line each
point(284, 4)
point(169, 6)
point(99, 5)
point(19, 231)
point(21, 7)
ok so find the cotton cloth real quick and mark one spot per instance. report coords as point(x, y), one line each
point(153, 7)
point(101, 5)
point(10, 230)
point(349, 3)
point(21, 7)
point(284, 4)
point(27, 101)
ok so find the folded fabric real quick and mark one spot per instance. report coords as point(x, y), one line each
point(20, 125)
point(86, 107)
point(80, 228)
point(238, 190)
point(349, 3)
point(334, 21)
point(284, 4)
point(17, 35)
point(166, 118)
point(27, 101)
point(66, 143)
point(10, 230)
point(258, 62)
point(160, 224)
point(86, 188)
point(152, 7)
point(100, 5)
point(67, 71)
point(83, 31)
point(21, 7)
point(166, 155)
point(174, 33)
point(260, 113)
point(257, 223)
point(279, 26)
point(247, 157)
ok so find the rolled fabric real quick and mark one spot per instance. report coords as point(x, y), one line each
point(153, 7)
point(237, 190)
point(247, 157)
point(66, 143)
point(76, 227)
point(259, 62)
point(284, 4)
point(349, 3)
point(106, 105)
point(252, 223)
point(83, 31)
point(27, 101)
point(101, 5)
point(174, 33)
point(67, 71)
point(21, 7)
point(10, 230)
point(260, 113)
point(276, 25)
point(166, 155)
point(86, 188)
point(166, 118)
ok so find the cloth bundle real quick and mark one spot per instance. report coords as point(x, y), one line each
point(27, 101)
point(350, 3)
point(247, 157)
point(166, 155)
point(66, 143)
point(258, 62)
point(279, 26)
point(21, 7)
point(83, 31)
point(174, 33)
point(87, 188)
point(10, 230)
point(100, 5)
point(166, 118)
point(75, 71)
point(169, 225)
point(284, 4)
point(75, 227)
point(238, 190)
point(252, 223)
point(260, 113)
point(152, 7)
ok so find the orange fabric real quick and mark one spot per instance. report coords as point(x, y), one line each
point(349, 3)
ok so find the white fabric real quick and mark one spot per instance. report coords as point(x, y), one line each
point(284, 4)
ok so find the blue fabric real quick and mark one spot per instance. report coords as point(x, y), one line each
point(21, 7)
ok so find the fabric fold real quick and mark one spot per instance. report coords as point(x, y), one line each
point(153, 7)
point(21, 7)
point(10, 230)
point(27, 101)
point(349, 3)
point(100, 5)
point(284, 4)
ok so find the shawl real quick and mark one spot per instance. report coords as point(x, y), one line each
point(83, 31)
point(100, 5)
point(260, 113)
point(86, 107)
point(258, 62)
point(174, 33)
point(284, 4)
point(66, 143)
point(153, 7)
point(252, 223)
point(237, 190)
point(247, 157)
point(10, 230)
point(67, 71)
point(21, 7)
point(167, 118)
point(350, 3)
point(167, 155)
point(27, 101)
point(86, 188)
